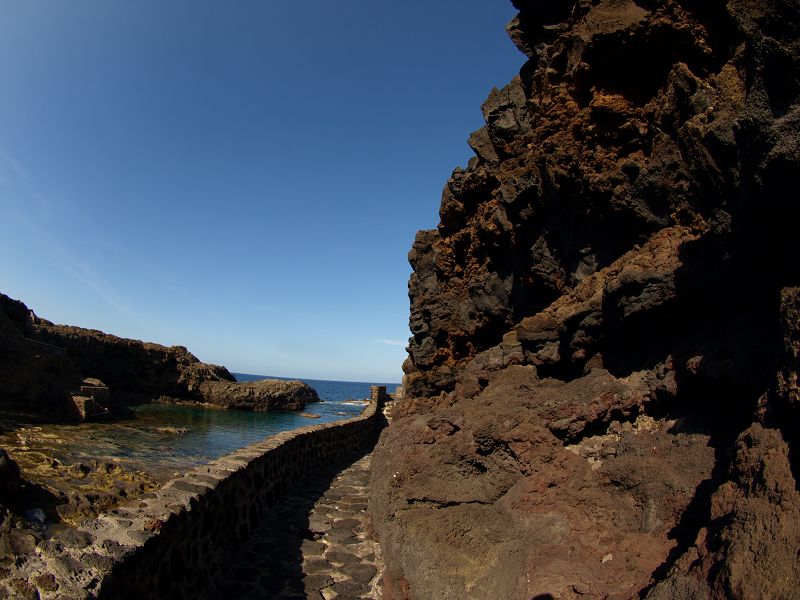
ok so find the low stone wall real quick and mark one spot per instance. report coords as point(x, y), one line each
point(177, 542)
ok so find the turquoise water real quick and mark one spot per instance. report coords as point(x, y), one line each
point(166, 439)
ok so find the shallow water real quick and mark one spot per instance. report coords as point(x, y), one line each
point(166, 439)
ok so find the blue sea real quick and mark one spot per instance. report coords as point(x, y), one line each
point(167, 439)
point(329, 391)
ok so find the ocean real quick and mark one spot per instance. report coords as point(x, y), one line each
point(327, 390)
point(167, 439)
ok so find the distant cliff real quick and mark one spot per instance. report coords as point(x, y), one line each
point(34, 377)
point(43, 363)
point(601, 389)
point(131, 367)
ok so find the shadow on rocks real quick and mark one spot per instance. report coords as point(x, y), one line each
point(270, 564)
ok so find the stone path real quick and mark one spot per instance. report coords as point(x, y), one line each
point(314, 545)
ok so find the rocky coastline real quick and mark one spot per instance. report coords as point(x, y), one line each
point(601, 389)
point(63, 374)
point(601, 395)
point(44, 364)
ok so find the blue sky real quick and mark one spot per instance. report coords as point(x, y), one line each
point(243, 178)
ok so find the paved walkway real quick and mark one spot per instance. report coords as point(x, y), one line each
point(314, 545)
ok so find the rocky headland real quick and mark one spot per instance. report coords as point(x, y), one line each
point(59, 373)
point(44, 364)
point(601, 395)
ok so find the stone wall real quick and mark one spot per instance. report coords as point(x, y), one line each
point(377, 393)
point(177, 542)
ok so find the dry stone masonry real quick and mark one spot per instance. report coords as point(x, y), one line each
point(91, 401)
point(178, 542)
point(315, 544)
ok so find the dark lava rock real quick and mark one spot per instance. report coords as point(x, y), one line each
point(34, 377)
point(131, 368)
point(10, 480)
point(317, 582)
point(20, 541)
point(41, 364)
point(349, 588)
point(262, 395)
point(23, 590)
point(601, 393)
point(341, 557)
point(312, 548)
point(46, 582)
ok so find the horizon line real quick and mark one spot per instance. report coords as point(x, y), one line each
point(234, 373)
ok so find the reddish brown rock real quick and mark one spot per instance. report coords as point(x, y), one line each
point(601, 389)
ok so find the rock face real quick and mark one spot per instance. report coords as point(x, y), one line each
point(601, 394)
point(34, 377)
point(262, 395)
point(43, 366)
point(130, 366)
point(10, 480)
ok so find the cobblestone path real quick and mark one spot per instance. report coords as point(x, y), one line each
point(314, 545)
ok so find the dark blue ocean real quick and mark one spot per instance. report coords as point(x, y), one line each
point(328, 390)
point(167, 439)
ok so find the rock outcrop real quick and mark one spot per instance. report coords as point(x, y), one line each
point(131, 367)
point(10, 480)
point(43, 368)
point(262, 395)
point(34, 377)
point(601, 394)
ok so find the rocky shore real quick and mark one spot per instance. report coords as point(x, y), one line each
point(58, 373)
point(43, 368)
point(601, 389)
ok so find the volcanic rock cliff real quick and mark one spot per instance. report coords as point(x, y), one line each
point(601, 396)
point(42, 363)
point(34, 376)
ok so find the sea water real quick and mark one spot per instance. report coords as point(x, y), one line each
point(329, 391)
point(166, 439)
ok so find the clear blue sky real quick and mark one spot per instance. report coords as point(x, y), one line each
point(245, 177)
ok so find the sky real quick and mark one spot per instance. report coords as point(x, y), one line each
point(244, 178)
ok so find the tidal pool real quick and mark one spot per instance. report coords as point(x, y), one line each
point(162, 440)
point(83, 469)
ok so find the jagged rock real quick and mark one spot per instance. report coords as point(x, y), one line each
point(34, 377)
point(131, 367)
point(262, 395)
point(601, 391)
point(44, 366)
point(10, 480)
